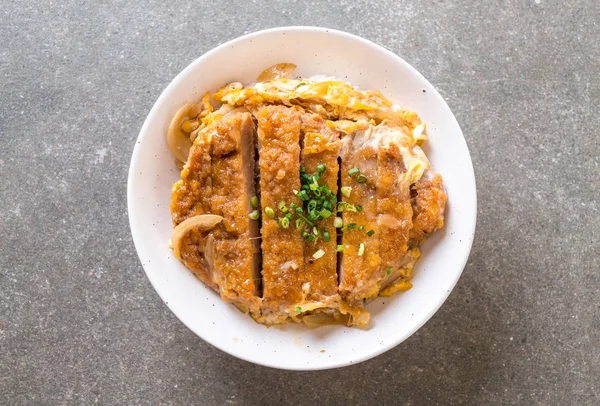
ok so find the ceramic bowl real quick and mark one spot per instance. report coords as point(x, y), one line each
point(315, 51)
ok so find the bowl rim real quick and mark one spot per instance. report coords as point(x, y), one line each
point(137, 237)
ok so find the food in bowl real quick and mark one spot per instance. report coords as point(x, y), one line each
point(302, 199)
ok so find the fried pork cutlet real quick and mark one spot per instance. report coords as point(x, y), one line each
point(282, 248)
point(218, 178)
point(250, 214)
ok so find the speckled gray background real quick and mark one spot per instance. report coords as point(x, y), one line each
point(79, 321)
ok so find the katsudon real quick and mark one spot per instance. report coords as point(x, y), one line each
point(302, 199)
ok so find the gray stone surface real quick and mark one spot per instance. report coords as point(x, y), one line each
point(79, 321)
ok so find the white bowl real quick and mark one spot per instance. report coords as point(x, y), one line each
point(368, 66)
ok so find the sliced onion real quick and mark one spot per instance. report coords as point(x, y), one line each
point(321, 319)
point(178, 141)
point(203, 222)
point(281, 70)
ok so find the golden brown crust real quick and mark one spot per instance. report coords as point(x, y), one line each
point(360, 273)
point(279, 162)
point(393, 200)
point(429, 202)
point(212, 179)
point(192, 194)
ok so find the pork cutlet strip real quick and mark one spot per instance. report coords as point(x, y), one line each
point(429, 202)
point(282, 248)
point(393, 199)
point(190, 197)
point(218, 179)
point(234, 251)
point(321, 146)
point(360, 261)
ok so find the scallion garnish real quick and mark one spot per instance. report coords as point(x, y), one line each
point(389, 270)
point(269, 212)
point(318, 254)
point(338, 222)
point(321, 168)
point(254, 202)
point(370, 233)
point(353, 171)
point(351, 226)
point(339, 248)
point(284, 222)
point(303, 195)
point(298, 309)
point(346, 190)
point(326, 236)
point(325, 213)
point(349, 207)
point(254, 215)
point(361, 249)
point(361, 178)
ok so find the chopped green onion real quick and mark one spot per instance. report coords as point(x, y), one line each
point(351, 226)
point(325, 213)
point(288, 216)
point(389, 270)
point(353, 171)
point(338, 222)
point(299, 223)
point(305, 235)
point(293, 205)
point(361, 228)
point(254, 215)
point(281, 205)
point(327, 205)
point(346, 190)
point(349, 207)
point(361, 249)
point(284, 222)
point(318, 254)
point(299, 210)
point(339, 248)
point(326, 236)
point(370, 233)
point(269, 212)
point(303, 195)
point(341, 206)
point(359, 207)
point(315, 231)
point(298, 309)
point(312, 205)
point(305, 219)
point(254, 202)
point(321, 168)
point(311, 238)
point(361, 178)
